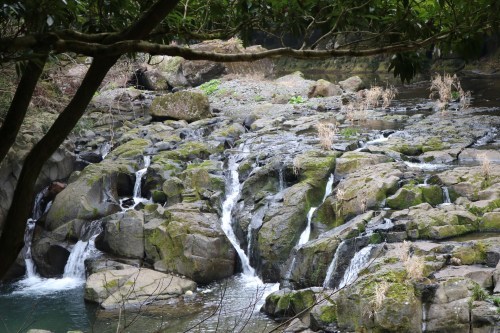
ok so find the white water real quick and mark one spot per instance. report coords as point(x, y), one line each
point(105, 149)
point(138, 180)
point(137, 196)
point(426, 166)
point(358, 262)
point(306, 234)
point(424, 318)
point(333, 265)
point(233, 191)
point(281, 180)
point(74, 271)
point(446, 196)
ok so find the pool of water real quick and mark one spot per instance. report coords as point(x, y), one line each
point(58, 310)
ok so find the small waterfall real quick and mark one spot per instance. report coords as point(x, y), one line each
point(83, 249)
point(105, 149)
point(281, 180)
point(28, 238)
point(304, 237)
point(358, 262)
point(333, 265)
point(126, 203)
point(424, 318)
point(233, 191)
point(446, 195)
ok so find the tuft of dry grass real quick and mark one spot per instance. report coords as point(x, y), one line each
point(388, 96)
point(380, 294)
point(297, 166)
point(326, 134)
point(447, 88)
point(369, 99)
point(414, 265)
point(485, 165)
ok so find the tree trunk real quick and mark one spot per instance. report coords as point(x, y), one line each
point(19, 105)
point(11, 240)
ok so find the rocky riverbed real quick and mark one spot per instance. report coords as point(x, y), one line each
point(404, 238)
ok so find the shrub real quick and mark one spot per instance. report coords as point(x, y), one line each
point(210, 87)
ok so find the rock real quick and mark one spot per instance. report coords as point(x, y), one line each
point(182, 105)
point(352, 161)
point(286, 303)
point(49, 256)
point(323, 315)
point(123, 235)
point(34, 330)
point(479, 155)
point(359, 191)
point(201, 71)
point(120, 100)
point(323, 88)
point(173, 187)
point(425, 222)
point(411, 195)
point(352, 84)
point(485, 314)
point(490, 222)
point(296, 326)
point(449, 310)
point(93, 195)
point(313, 258)
point(148, 78)
point(192, 243)
point(133, 287)
point(483, 276)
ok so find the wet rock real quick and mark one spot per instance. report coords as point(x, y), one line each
point(479, 155)
point(132, 287)
point(182, 105)
point(352, 84)
point(123, 235)
point(359, 191)
point(49, 256)
point(173, 187)
point(323, 88)
point(324, 315)
point(484, 315)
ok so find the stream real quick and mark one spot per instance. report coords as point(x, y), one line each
point(232, 304)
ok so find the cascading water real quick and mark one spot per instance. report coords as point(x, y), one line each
point(281, 180)
point(358, 262)
point(137, 196)
point(233, 191)
point(82, 250)
point(446, 196)
point(304, 237)
point(333, 265)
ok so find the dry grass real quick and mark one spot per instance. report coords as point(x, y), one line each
point(388, 96)
point(326, 134)
point(297, 166)
point(485, 165)
point(414, 265)
point(380, 291)
point(447, 88)
point(369, 99)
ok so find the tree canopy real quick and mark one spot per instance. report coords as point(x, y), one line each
point(32, 31)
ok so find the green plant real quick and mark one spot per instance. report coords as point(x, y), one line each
point(258, 98)
point(349, 132)
point(296, 100)
point(478, 293)
point(210, 87)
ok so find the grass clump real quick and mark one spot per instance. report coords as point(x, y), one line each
point(210, 87)
point(447, 88)
point(296, 100)
point(326, 134)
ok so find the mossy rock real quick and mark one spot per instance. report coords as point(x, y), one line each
point(411, 195)
point(434, 143)
point(286, 303)
point(470, 254)
point(190, 151)
point(490, 222)
point(131, 149)
point(182, 105)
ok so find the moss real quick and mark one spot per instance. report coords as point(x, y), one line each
point(479, 211)
point(408, 150)
point(189, 151)
point(131, 148)
point(469, 255)
point(490, 222)
point(109, 285)
point(159, 196)
point(328, 314)
point(433, 144)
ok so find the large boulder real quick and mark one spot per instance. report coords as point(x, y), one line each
point(132, 287)
point(355, 160)
point(323, 88)
point(182, 105)
point(412, 195)
point(123, 234)
point(352, 84)
point(93, 195)
point(190, 242)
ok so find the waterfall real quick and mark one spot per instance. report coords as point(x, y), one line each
point(281, 179)
point(84, 248)
point(446, 195)
point(304, 237)
point(333, 265)
point(28, 238)
point(358, 262)
point(105, 149)
point(127, 203)
point(233, 191)
point(424, 318)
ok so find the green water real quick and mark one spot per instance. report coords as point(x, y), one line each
point(58, 311)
